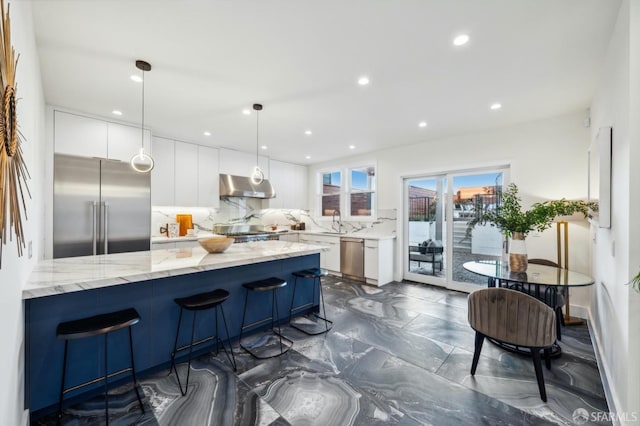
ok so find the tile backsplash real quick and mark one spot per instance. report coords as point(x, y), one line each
point(250, 211)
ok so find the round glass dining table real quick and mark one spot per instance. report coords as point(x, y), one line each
point(534, 275)
point(540, 281)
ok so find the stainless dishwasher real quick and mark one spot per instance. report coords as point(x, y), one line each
point(352, 258)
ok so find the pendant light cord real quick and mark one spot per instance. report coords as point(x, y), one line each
point(257, 135)
point(142, 124)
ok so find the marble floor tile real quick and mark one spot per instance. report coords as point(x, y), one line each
point(396, 355)
point(570, 384)
point(429, 398)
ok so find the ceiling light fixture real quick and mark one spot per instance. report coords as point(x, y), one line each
point(460, 40)
point(116, 112)
point(352, 147)
point(142, 162)
point(422, 124)
point(136, 78)
point(308, 157)
point(246, 111)
point(263, 147)
point(308, 132)
point(363, 81)
point(207, 133)
point(496, 106)
point(257, 176)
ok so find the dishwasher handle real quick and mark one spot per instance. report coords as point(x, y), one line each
point(352, 240)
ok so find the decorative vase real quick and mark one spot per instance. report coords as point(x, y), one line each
point(518, 253)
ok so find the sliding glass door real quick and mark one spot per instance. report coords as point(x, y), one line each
point(439, 238)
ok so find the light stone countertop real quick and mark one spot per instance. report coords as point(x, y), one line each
point(358, 234)
point(58, 276)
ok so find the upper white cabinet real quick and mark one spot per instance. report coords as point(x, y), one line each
point(241, 163)
point(77, 135)
point(125, 141)
point(186, 178)
point(208, 177)
point(290, 183)
point(162, 175)
point(89, 137)
point(185, 174)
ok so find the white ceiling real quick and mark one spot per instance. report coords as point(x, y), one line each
point(302, 59)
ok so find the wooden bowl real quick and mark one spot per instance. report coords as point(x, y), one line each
point(216, 244)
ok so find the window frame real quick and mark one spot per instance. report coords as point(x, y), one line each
point(346, 190)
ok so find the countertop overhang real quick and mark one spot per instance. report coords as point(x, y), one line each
point(58, 276)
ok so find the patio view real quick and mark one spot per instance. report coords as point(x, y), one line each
point(471, 196)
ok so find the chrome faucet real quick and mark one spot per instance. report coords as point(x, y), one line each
point(333, 218)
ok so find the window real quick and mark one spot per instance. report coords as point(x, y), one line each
point(330, 195)
point(358, 184)
point(362, 191)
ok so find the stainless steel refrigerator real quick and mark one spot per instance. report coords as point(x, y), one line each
point(100, 207)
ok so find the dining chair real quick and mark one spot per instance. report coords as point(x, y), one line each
point(515, 318)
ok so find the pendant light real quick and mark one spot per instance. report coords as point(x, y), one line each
point(257, 176)
point(142, 162)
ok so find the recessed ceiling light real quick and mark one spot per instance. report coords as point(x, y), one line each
point(363, 81)
point(246, 111)
point(136, 78)
point(116, 112)
point(461, 40)
point(263, 147)
point(308, 157)
point(352, 147)
point(308, 132)
point(495, 106)
point(206, 133)
point(422, 124)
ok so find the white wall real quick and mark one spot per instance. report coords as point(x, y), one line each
point(615, 306)
point(548, 160)
point(15, 270)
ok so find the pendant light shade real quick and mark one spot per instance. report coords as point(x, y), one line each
point(257, 176)
point(142, 162)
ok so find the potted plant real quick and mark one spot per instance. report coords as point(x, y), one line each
point(516, 223)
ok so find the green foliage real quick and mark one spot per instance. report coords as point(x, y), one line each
point(510, 218)
point(635, 282)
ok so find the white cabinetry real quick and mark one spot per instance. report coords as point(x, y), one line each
point(329, 259)
point(162, 181)
point(125, 141)
point(77, 135)
point(290, 183)
point(378, 261)
point(208, 177)
point(186, 174)
point(89, 137)
point(241, 163)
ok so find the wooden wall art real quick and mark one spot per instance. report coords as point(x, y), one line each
point(13, 170)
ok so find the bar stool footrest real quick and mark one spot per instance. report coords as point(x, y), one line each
point(311, 327)
point(266, 344)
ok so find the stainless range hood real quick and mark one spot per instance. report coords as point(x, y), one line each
point(241, 186)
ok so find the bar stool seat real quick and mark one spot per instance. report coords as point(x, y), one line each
point(200, 302)
point(310, 327)
point(263, 348)
point(102, 324)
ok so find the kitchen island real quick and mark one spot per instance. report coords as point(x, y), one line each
point(66, 289)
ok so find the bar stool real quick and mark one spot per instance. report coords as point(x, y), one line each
point(311, 329)
point(94, 326)
point(269, 284)
point(195, 303)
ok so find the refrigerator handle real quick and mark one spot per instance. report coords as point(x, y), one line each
point(94, 207)
point(106, 228)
